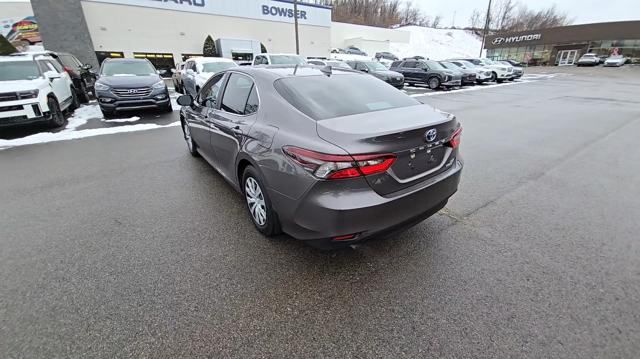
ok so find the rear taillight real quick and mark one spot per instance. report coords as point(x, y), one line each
point(68, 69)
point(454, 142)
point(328, 166)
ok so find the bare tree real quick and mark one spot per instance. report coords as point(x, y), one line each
point(475, 21)
point(510, 15)
point(436, 21)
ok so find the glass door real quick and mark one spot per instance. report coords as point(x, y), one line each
point(567, 57)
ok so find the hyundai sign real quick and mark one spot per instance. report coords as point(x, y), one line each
point(270, 10)
point(515, 39)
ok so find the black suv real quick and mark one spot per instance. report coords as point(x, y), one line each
point(131, 84)
point(378, 70)
point(81, 75)
point(386, 55)
point(427, 72)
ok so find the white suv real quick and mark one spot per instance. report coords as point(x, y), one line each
point(34, 88)
point(278, 59)
point(500, 72)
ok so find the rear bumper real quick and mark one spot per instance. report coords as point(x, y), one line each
point(328, 210)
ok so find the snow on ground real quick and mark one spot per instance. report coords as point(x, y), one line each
point(437, 44)
point(120, 120)
point(82, 115)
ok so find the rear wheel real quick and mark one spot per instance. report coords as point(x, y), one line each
point(56, 117)
point(258, 203)
point(433, 83)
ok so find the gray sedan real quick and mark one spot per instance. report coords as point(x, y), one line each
point(332, 158)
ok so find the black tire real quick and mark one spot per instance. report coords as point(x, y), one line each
point(56, 117)
point(192, 147)
point(107, 113)
point(75, 101)
point(494, 77)
point(83, 93)
point(167, 108)
point(263, 209)
point(499, 81)
point(433, 83)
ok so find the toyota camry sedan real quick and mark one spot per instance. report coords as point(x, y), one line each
point(327, 156)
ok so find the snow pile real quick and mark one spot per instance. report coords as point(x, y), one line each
point(82, 115)
point(437, 44)
point(121, 120)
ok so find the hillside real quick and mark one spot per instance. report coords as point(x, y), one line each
point(437, 44)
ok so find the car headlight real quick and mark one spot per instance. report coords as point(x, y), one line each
point(503, 69)
point(101, 87)
point(158, 85)
point(27, 94)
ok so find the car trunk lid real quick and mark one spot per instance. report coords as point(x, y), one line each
point(416, 135)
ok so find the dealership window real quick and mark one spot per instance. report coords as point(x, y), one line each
point(102, 55)
point(163, 62)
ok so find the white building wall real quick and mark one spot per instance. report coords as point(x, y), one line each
point(15, 9)
point(372, 39)
point(131, 29)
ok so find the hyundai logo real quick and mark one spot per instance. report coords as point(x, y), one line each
point(133, 91)
point(431, 135)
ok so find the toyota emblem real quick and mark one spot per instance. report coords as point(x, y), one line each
point(431, 135)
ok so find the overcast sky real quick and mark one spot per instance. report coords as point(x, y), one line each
point(581, 11)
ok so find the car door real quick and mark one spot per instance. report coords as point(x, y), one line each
point(201, 114)
point(422, 71)
point(59, 85)
point(409, 71)
point(238, 112)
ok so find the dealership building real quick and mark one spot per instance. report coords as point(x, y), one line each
point(564, 45)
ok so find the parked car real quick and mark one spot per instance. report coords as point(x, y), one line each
point(130, 84)
point(378, 70)
point(176, 77)
point(427, 72)
point(81, 75)
point(332, 63)
point(278, 59)
point(615, 61)
point(588, 60)
point(517, 70)
point(513, 63)
point(336, 50)
point(483, 74)
point(354, 51)
point(198, 70)
point(500, 72)
point(318, 158)
point(386, 55)
point(417, 57)
point(34, 89)
point(468, 77)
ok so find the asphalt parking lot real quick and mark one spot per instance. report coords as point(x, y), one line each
point(120, 244)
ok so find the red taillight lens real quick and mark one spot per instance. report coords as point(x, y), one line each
point(455, 138)
point(68, 69)
point(328, 166)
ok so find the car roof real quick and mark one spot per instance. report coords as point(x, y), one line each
point(25, 56)
point(274, 72)
point(110, 59)
point(278, 54)
point(15, 58)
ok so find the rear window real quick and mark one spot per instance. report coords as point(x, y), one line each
point(321, 97)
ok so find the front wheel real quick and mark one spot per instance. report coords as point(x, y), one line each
point(433, 83)
point(494, 77)
point(262, 214)
point(75, 102)
point(56, 117)
point(191, 145)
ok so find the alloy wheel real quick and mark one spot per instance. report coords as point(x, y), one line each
point(255, 200)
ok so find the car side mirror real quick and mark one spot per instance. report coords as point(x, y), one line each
point(185, 100)
point(365, 70)
point(52, 75)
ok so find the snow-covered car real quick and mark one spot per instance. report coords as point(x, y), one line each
point(588, 60)
point(198, 70)
point(615, 61)
point(34, 89)
point(278, 59)
point(483, 74)
point(517, 70)
point(500, 72)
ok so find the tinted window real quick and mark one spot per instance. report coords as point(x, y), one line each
point(56, 65)
point(252, 102)
point(322, 97)
point(410, 64)
point(209, 94)
point(131, 68)
point(396, 63)
point(18, 70)
point(236, 94)
point(68, 61)
point(360, 66)
point(286, 60)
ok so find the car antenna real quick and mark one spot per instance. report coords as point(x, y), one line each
point(327, 71)
point(295, 69)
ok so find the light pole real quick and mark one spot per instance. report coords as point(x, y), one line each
point(486, 27)
point(295, 21)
